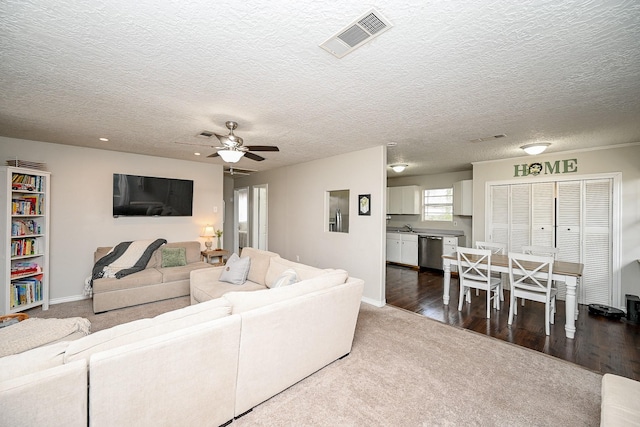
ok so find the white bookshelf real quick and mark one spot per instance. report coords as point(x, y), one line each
point(24, 239)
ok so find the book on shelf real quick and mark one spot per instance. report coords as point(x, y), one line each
point(22, 227)
point(26, 291)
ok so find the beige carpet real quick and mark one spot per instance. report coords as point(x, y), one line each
point(408, 370)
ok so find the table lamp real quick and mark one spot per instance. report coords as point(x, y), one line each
point(208, 231)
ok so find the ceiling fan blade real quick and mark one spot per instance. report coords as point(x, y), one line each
point(252, 156)
point(262, 148)
point(214, 154)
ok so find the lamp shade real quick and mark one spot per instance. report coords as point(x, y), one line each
point(398, 168)
point(208, 231)
point(536, 148)
point(231, 156)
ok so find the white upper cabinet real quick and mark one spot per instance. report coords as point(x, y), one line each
point(463, 198)
point(403, 200)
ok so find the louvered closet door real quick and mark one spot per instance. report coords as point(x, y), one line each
point(597, 242)
point(542, 213)
point(568, 221)
point(519, 214)
point(499, 228)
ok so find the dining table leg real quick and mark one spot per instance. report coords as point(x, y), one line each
point(447, 280)
point(570, 307)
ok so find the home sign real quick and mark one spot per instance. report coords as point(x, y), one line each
point(546, 168)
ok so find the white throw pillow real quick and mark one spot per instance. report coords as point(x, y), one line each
point(288, 277)
point(236, 270)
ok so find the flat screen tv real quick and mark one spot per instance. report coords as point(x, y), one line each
point(135, 195)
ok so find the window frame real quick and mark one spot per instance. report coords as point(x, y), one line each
point(426, 204)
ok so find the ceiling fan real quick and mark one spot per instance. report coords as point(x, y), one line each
point(232, 149)
point(237, 171)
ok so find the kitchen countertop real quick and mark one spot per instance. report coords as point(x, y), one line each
point(426, 232)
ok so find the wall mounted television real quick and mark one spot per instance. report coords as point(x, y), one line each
point(135, 195)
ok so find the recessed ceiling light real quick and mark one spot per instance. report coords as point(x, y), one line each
point(104, 139)
point(196, 154)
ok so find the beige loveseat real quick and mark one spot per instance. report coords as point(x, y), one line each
point(154, 283)
point(201, 365)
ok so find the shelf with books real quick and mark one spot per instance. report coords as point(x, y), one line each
point(24, 238)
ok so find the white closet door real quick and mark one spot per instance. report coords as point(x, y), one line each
point(499, 226)
point(597, 242)
point(519, 214)
point(568, 222)
point(542, 214)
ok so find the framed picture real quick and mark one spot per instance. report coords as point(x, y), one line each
point(364, 204)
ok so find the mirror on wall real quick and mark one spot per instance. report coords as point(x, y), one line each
point(338, 211)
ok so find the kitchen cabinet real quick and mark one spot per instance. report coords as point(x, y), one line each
point(404, 200)
point(449, 245)
point(463, 198)
point(402, 248)
point(393, 247)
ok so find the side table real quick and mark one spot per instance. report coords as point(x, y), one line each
point(219, 254)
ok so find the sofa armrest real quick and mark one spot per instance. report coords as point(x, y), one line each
point(54, 397)
point(202, 277)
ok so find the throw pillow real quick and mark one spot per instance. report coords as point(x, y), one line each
point(236, 270)
point(174, 257)
point(288, 277)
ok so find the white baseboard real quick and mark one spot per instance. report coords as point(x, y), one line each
point(374, 302)
point(67, 299)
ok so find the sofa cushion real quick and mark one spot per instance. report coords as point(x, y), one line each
point(288, 277)
point(173, 257)
point(192, 251)
point(141, 278)
point(183, 272)
point(236, 270)
point(135, 331)
point(35, 360)
point(206, 291)
point(245, 301)
point(259, 263)
point(278, 265)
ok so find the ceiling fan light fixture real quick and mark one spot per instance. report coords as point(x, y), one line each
point(535, 148)
point(399, 167)
point(231, 156)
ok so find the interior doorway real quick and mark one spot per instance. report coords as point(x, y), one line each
point(259, 217)
point(240, 218)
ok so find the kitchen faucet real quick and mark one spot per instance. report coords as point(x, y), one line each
point(409, 227)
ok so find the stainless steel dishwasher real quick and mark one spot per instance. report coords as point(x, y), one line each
point(430, 251)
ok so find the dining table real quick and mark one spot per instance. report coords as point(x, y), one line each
point(563, 271)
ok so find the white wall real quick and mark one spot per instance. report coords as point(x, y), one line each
point(427, 182)
point(297, 215)
point(81, 204)
point(624, 159)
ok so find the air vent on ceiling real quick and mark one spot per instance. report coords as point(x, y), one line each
point(205, 134)
point(236, 171)
point(488, 138)
point(359, 32)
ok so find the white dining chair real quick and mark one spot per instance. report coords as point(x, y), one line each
point(541, 251)
point(495, 248)
point(474, 271)
point(531, 278)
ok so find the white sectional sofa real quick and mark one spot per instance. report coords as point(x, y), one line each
point(201, 365)
point(620, 402)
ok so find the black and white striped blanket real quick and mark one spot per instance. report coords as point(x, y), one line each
point(125, 258)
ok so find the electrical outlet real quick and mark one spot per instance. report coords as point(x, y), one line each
point(298, 258)
point(215, 209)
point(455, 223)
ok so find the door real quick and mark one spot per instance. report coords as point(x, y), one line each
point(241, 215)
point(259, 217)
point(576, 216)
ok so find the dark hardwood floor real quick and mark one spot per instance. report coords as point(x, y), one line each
point(600, 344)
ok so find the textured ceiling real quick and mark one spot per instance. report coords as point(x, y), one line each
point(148, 73)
